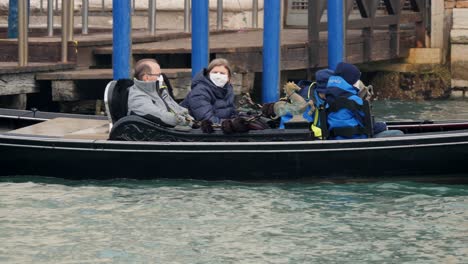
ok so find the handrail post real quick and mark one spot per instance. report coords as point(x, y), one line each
point(200, 36)
point(255, 13)
point(23, 33)
point(151, 16)
point(314, 13)
point(187, 16)
point(271, 51)
point(219, 15)
point(70, 23)
point(50, 18)
point(64, 31)
point(336, 33)
point(84, 17)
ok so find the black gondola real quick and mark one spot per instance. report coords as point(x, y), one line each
point(427, 148)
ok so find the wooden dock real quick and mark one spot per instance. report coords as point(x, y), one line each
point(89, 69)
point(375, 31)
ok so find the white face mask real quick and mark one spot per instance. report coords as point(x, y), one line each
point(219, 79)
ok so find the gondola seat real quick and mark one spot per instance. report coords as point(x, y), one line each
point(136, 128)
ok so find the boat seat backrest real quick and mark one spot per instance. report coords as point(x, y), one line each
point(116, 99)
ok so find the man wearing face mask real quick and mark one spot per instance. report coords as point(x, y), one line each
point(149, 98)
point(212, 95)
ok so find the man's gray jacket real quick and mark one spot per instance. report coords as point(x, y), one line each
point(144, 99)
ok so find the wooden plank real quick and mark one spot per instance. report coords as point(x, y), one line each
point(12, 67)
point(98, 132)
point(59, 127)
point(18, 84)
point(100, 74)
point(313, 42)
point(38, 51)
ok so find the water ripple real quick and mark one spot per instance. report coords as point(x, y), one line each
point(199, 222)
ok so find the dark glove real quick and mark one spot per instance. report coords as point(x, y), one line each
point(207, 126)
point(257, 124)
point(235, 125)
point(196, 125)
point(268, 110)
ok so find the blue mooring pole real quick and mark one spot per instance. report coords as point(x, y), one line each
point(200, 35)
point(121, 38)
point(271, 51)
point(336, 35)
point(13, 19)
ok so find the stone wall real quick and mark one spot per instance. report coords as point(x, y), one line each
point(459, 44)
point(456, 3)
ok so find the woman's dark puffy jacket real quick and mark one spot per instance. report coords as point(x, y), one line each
point(206, 101)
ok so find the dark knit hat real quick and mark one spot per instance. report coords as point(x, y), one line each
point(321, 77)
point(348, 72)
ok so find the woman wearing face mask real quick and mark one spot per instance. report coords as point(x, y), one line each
point(212, 96)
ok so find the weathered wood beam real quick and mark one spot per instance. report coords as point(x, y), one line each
point(372, 6)
point(18, 84)
point(315, 11)
point(419, 6)
point(394, 29)
point(349, 7)
point(368, 30)
point(372, 22)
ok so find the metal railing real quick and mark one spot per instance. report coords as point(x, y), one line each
point(67, 21)
point(151, 15)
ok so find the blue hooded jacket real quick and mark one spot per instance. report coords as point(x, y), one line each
point(340, 88)
point(206, 101)
point(310, 91)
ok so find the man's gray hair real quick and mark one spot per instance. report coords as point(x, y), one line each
point(142, 67)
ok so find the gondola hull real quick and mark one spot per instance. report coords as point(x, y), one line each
point(385, 158)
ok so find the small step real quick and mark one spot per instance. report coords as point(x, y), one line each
point(86, 83)
point(8, 67)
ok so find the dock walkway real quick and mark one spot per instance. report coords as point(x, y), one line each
point(90, 58)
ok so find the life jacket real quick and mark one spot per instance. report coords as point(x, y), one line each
point(348, 116)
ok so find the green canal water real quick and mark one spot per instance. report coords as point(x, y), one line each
point(52, 221)
point(45, 220)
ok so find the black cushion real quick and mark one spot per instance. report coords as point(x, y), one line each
point(118, 99)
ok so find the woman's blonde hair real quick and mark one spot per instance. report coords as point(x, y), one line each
point(220, 62)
